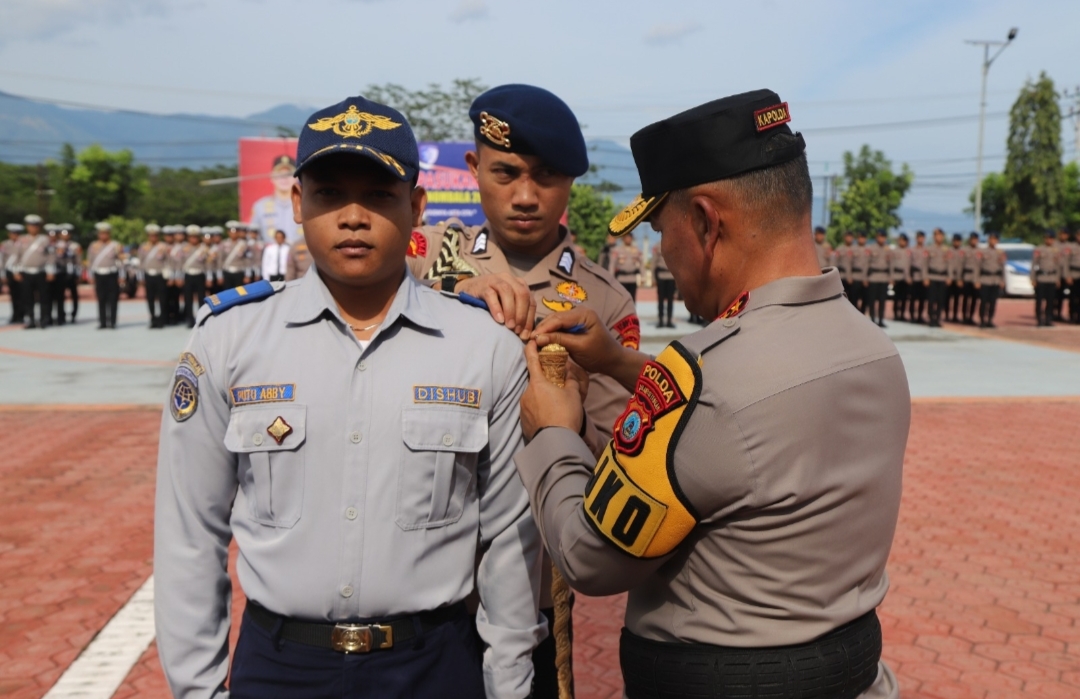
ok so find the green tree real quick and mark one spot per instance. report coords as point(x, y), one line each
point(175, 196)
point(1034, 180)
point(993, 203)
point(436, 114)
point(18, 197)
point(127, 231)
point(870, 194)
point(100, 183)
point(590, 213)
point(1070, 209)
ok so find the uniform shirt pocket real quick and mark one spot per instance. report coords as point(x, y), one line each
point(267, 441)
point(438, 468)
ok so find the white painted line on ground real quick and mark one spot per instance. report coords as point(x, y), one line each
point(102, 666)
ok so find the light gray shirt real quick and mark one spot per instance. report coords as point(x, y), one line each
point(394, 472)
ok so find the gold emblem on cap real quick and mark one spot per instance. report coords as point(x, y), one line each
point(496, 130)
point(352, 123)
point(627, 219)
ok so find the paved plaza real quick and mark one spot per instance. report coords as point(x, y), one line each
point(985, 569)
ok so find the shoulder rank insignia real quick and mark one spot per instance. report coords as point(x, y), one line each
point(496, 130)
point(480, 244)
point(224, 300)
point(633, 499)
point(417, 245)
point(352, 123)
point(566, 262)
point(736, 306)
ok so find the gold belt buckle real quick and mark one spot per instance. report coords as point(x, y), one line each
point(358, 638)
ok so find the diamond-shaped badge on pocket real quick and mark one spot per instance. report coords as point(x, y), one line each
point(279, 430)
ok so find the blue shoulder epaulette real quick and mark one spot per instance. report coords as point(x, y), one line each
point(224, 300)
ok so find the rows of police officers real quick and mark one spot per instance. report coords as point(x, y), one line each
point(178, 266)
point(951, 280)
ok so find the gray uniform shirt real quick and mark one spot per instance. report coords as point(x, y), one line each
point(900, 259)
point(879, 264)
point(152, 258)
point(103, 258)
point(37, 255)
point(991, 266)
point(938, 263)
point(396, 472)
point(1046, 265)
point(795, 506)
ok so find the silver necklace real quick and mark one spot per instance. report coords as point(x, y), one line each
point(366, 327)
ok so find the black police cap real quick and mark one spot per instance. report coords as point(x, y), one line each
point(530, 121)
point(358, 126)
point(714, 141)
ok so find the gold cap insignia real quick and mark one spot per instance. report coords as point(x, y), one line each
point(352, 123)
point(496, 130)
point(279, 430)
point(634, 213)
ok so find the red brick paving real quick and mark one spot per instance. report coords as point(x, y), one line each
point(985, 599)
point(1015, 320)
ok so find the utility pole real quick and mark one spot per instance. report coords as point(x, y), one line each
point(987, 60)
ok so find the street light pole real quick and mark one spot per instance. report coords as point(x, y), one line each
point(987, 60)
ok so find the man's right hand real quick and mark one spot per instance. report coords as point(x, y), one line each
point(594, 349)
point(508, 298)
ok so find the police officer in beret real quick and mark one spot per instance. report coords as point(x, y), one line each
point(522, 262)
point(747, 451)
point(369, 489)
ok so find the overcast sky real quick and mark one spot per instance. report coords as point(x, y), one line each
point(619, 64)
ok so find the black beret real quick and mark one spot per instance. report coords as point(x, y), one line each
point(358, 126)
point(957, 236)
point(530, 121)
point(714, 141)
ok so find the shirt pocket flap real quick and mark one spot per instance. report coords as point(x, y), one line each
point(444, 429)
point(266, 428)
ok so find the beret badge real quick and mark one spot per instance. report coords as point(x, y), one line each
point(496, 130)
point(352, 123)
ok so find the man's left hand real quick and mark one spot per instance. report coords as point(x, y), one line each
point(546, 405)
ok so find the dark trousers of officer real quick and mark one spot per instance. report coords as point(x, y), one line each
point(955, 301)
point(1045, 300)
point(901, 294)
point(988, 296)
point(16, 290)
point(172, 304)
point(36, 294)
point(935, 302)
point(631, 288)
point(107, 290)
point(665, 299)
point(56, 298)
point(971, 302)
point(857, 293)
point(155, 299)
point(877, 294)
point(444, 663)
point(1074, 298)
point(232, 280)
point(71, 286)
point(916, 300)
point(194, 291)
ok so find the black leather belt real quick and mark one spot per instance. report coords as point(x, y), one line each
point(353, 637)
point(842, 664)
point(878, 269)
point(938, 271)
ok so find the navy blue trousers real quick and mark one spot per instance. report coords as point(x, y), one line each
point(442, 664)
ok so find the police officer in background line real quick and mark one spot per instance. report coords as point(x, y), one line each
point(989, 278)
point(298, 261)
point(842, 257)
point(103, 261)
point(733, 470)
point(234, 258)
point(196, 255)
point(956, 280)
point(1046, 277)
point(937, 268)
point(36, 270)
point(917, 289)
point(1070, 271)
point(173, 274)
point(824, 250)
point(255, 247)
point(878, 276)
point(626, 262)
point(153, 258)
point(900, 260)
point(971, 294)
point(69, 263)
point(665, 289)
point(363, 466)
point(9, 266)
point(860, 271)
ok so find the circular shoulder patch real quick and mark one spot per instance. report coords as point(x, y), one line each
point(184, 400)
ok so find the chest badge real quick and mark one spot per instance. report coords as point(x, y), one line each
point(570, 295)
point(279, 430)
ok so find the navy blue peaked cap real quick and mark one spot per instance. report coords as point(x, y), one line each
point(360, 127)
point(530, 121)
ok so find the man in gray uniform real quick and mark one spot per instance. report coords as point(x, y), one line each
point(738, 464)
point(989, 278)
point(824, 250)
point(103, 260)
point(369, 488)
point(9, 266)
point(1046, 277)
point(196, 258)
point(860, 273)
point(234, 257)
point(937, 265)
point(971, 294)
point(878, 276)
point(37, 267)
point(153, 257)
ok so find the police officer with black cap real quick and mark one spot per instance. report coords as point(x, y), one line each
point(742, 457)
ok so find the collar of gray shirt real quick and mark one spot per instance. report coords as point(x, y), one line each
point(312, 299)
point(797, 291)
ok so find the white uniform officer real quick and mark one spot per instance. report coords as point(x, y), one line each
point(370, 490)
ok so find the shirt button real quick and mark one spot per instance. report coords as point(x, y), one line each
point(447, 440)
point(346, 591)
point(363, 366)
point(728, 322)
point(355, 437)
point(350, 513)
point(257, 439)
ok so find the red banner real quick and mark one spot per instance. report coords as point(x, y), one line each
point(266, 167)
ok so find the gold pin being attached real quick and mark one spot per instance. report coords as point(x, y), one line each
point(496, 130)
point(279, 430)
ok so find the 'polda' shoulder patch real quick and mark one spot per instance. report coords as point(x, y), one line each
point(633, 499)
